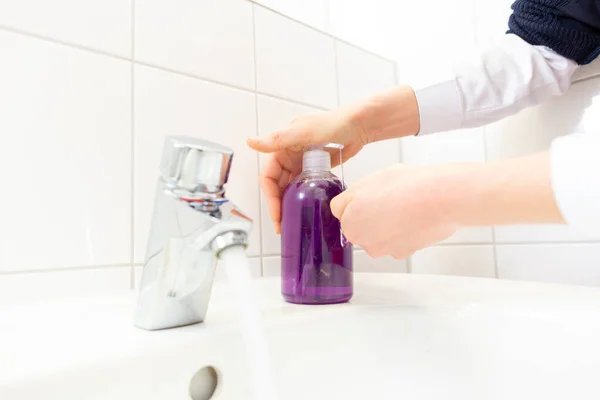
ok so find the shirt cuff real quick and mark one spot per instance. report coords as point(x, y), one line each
point(574, 170)
point(440, 107)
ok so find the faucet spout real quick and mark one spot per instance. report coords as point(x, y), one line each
point(192, 223)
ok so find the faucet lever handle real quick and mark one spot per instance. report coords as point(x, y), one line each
point(194, 165)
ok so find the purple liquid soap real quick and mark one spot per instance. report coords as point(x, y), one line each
point(316, 265)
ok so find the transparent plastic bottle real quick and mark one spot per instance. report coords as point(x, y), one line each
point(316, 258)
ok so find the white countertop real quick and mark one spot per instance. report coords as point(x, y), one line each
point(417, 336)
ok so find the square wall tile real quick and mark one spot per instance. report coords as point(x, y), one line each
point(447, 147)
point(532, 130)
point(537, 234)
point(472, 235)
point(274, 114)
point(491, 21)
point(101, 25)
point(365, 263)
point(372, 158)
point(314, 13)
point(428, 50)
point(170, 104)
point(271, 266)
point(367, 24)
point(294, 61)
point(65, 148)
point(361, 74)
point(557, 263)
point(57, 285)
point(455, 260)
point(211, 39)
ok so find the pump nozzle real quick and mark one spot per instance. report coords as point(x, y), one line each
point(315, 158)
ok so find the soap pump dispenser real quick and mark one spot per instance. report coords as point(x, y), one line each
point(316, 264)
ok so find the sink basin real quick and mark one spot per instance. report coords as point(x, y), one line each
point(402, 336)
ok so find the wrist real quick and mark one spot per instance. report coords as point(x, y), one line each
point(387, 115)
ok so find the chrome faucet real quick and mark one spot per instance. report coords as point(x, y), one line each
point(192, 223)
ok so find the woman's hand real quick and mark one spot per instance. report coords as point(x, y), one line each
point(398, 210)
point(391, 114)
point(285, 149)
point(403, 209)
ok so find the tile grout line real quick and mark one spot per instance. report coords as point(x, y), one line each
point(66, 269)
point(337, 72)
point(523, 243)
point(260, 233)
point(313, 28)
point(164, 69)
point(106, 53)
point(63, 43)
point(80, 268)
point(230, 86)
point(494, 250)
point(476, 41)
point(132, 144)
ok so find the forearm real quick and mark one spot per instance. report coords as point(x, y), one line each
point(508, 192)
point(501, 81)
point(388, 115)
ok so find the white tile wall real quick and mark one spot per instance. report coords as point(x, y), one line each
point(271, 266)
point(537, 233)
point(448, 147)
point(210, 39)
point(455, 260)
point(491, 21)
point(361, 74)
point(100, 25)
point(293, 61)
point(314, 13)
point(365, 263)
point(564, 263)
point(66, 156)
point(88, 96)
point(87, 126)
point(59, 285)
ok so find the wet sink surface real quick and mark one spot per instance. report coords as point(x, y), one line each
point(402, 336)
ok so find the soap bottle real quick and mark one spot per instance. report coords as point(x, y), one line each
point(316, 264)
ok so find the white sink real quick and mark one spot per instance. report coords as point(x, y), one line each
point(402, 337)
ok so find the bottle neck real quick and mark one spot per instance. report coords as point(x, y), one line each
point(316, 161)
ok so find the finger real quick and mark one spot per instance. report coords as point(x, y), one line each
point(269, 182)
point(339, 203)
point(272, 195)
point(292, 138)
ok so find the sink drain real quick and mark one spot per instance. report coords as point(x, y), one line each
point(204, 383)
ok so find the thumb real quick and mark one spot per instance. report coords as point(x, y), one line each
point(339, 203)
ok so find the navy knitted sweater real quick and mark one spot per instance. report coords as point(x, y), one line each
point(569, 27)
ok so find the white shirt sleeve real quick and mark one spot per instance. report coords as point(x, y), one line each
point(503, 80)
